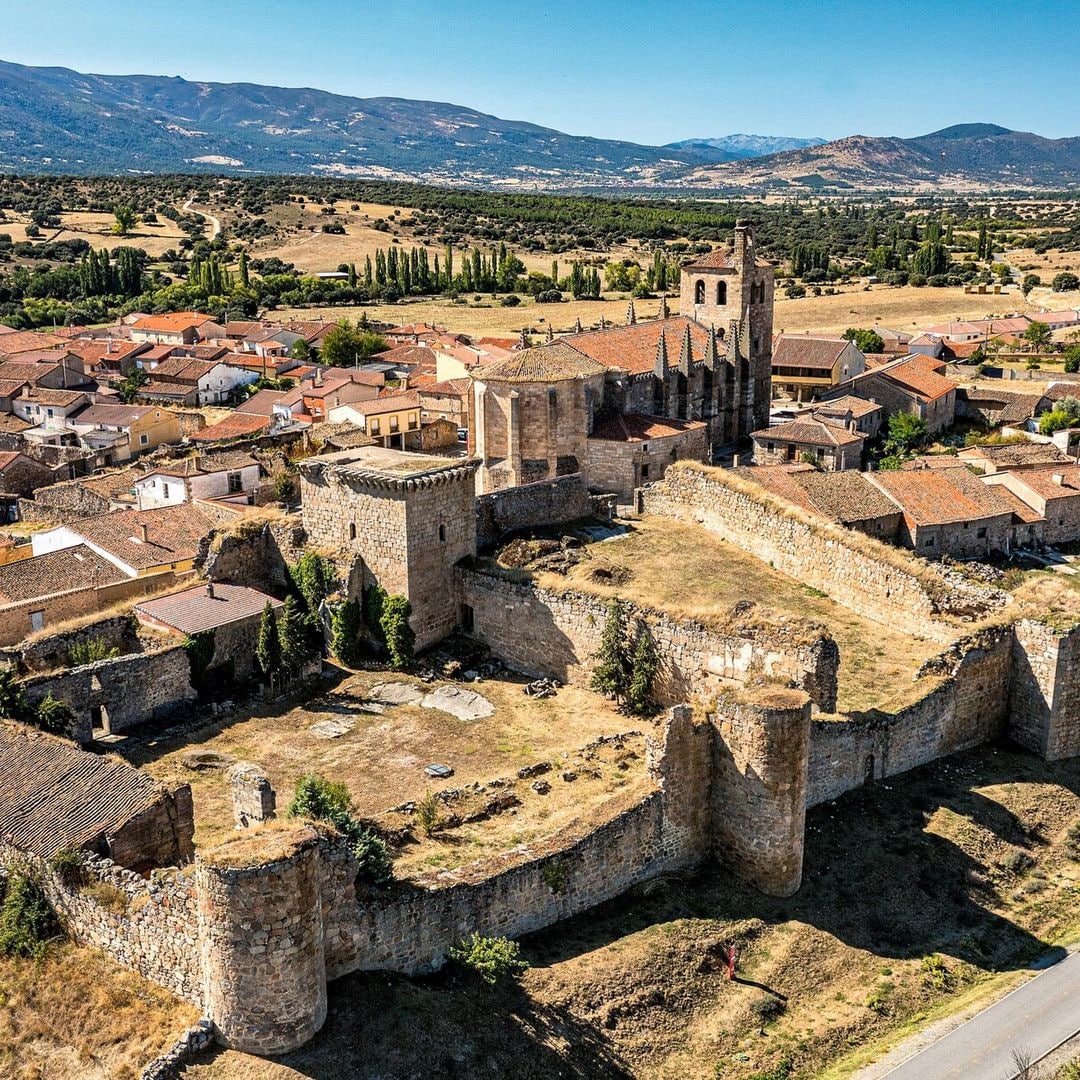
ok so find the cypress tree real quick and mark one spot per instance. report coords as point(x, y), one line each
point(612, 674)
point(268, 645)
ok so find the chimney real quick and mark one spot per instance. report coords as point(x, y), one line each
point(144, 532)
point(1059, 479)
point(318, 376)
point(210, 589)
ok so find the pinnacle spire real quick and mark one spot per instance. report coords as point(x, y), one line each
point(577, 325)
point(661, 367)
point(631, 316)
point(686, 355)
point(663, 306)
point(550, 333)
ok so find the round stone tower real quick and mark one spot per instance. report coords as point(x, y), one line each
point(260, 922)
point(759, 787)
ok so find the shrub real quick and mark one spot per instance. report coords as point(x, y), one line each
point(346, 638)
point(494, 959)
point(283, 488)
point(427, 813)
point(200, 652)
point(397, 633)
point(90, 651)
point(55, 715)
point(319, 799)
point(26, 919)
point(935, 975)
point(1016, 861)
point(549, 296)
point(374, 598)
point(13, 703)
point(1072, 841)
point(313, 578)
point(108, 896)
point(794, 292)
point(554, 875)
point(510, 301)
point(867, 341)
point(1065, 282)
point(767, 1009)
point(68, 866)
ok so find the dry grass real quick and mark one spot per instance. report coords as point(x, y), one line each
point(77, 1016)
point(684, 570)
point(96, 230)
point(383, 757)
point(908, 869)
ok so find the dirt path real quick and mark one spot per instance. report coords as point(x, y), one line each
point(215, 222)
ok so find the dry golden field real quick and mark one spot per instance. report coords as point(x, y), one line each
point(96, 230)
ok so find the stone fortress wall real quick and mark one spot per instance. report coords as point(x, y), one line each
point(878, 581)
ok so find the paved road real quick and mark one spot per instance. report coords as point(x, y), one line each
point(215, 222)
point(1034, 1018)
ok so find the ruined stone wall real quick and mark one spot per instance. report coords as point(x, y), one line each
point(557, 634)
point(258, 559)
point(1044, 697)
point(547, 502)
point(870, 578)
point(154, 929)
point(133, 689)
point(54, 650)
point(621, 466)
point(959, 701)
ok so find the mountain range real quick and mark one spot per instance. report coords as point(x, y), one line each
point(55, 120)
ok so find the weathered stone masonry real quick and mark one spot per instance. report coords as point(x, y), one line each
point(557, 634)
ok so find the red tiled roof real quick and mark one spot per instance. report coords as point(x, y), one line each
point(56, 571)
point(173, 534)
point(806, 430)
point(175, 323)
point(21, 341)
point(195, 610)
point(719, 259)
point(928, 497)
point(634, 427)
point(234, 426)
point(633, 348)
point(801, 350)
point(557, 362)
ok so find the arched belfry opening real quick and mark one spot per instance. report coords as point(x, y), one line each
point(699, 293)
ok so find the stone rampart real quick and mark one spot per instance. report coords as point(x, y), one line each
point(546, 502)
point(1044, 697)
point(863, 574)
point(557, 633)
point(959, 700)
point(120, 693)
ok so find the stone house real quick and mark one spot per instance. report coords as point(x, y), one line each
point(232, 612)
point(188, 381)
point(399, 520)
point(110, 358)
point(48, 410)
point(831, 446)
point(1014, 457)
point(313, 398)
point(848, 411)
point(947, 512)
point(177, 328)
point(628, 450)
point(21, 475)
point(448, 399)
point(1052, 493)
point(804, 366)
point(912, 384)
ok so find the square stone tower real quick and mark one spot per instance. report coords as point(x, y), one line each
point(408, 518)
point(733, 290)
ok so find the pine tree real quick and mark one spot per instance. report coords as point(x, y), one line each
point(611, 675)
point(644, 666)
point(268, 645)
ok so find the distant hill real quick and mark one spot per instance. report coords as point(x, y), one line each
point(60, 121)
point(55, 120)
point(963, 157)
point(738, 147)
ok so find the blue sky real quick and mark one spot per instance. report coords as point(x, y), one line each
point(646, 70)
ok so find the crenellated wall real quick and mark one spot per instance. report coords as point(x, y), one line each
point(558, 633)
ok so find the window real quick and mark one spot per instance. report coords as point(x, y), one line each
point(144, 440)
point(699, 293)
point(928, 542)
point(644, 472)
point(48, 412)
point(236, 483)
point(393, 423)
point(374, 427)
point(442, 534)
point(721, 292)
point(37, 620)
point(412, 421)
point(352, 530)
point(981, 534)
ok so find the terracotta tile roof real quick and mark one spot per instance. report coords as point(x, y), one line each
point(173, 534)
point(7, 329)
point(407, 355)
point(205, 464)
point(807, 431)
point(1025, 453)
point(159, 388)
point(234, 426)
point(781, 480)
point(14, 371)
point(261, 403)
point(356, 375)
point(56, 571)
point(114, 350)
point(633, 348)
point(1054, 393)
point(23, 341)
point(934, 461)
point(1003, 407)
point(718, 259)
point(801, 350)
point(194, 610)
point(41, 395)
point(115, 415)
point(1042, 482)
point(175, 323)
point(380, 405)
point(181, 369)
point(920, 375)
point(13, 425)
point(1028, 515)
point(556, 362)
point(11, 387)
point(842, 406)
point(54, 795)
point(928, 497)
point(447, 388)
point(845, 497)
point(634, 427)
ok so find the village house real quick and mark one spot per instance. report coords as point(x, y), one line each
point(847, 411)
point(1013, 457)
point(138, 542)
point(232, 612)
point(20, 476)
point(830, 445)
point(387, 420)
point(54, 372)
point(804, 366)
point(237, 425)
point(125, 430)
point(913, 384)
point(110, 358)
point(312, 400)
point(1053, 493)
point(447, 400)
point(204, 476)
point(178, 328)
point(83, 497)
point(627, 450)
point(183, 381)
point(49, 411)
